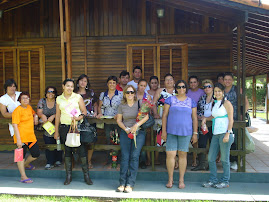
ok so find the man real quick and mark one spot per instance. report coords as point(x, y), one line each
point(137, 73)
point(194, 92)
point(123, 80)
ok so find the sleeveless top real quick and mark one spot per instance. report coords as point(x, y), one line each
point(220, 121)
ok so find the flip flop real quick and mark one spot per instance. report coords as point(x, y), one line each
point(27, 181)
point(30, 168)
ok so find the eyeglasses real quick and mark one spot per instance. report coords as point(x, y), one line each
point(51, 91)
point(25, 98)
point(179, 87)
point(128, 92)
point(209, 86)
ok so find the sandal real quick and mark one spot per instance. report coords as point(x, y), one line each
point(27, 181)
point(181, 185)
point(128, 189)
point(30, 168)
point(169, 185)
point(120, 188)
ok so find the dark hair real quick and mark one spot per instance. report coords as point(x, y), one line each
point(168, 75)
point(142, 80)
point(193, 77)
point(220, 75)
point(181, 81)
point(82, 76)
point(221, 87)
point(23, 93)
point(67, 80)
point(137, 67)
point(124, 73)
point(54, 88)
point(8, 83)
point(114, 78)
point(153, 77)
point(229, 74)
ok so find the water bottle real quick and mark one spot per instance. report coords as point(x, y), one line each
point(58, 146)
point(161, 111)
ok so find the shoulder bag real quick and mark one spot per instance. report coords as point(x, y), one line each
point(88, 133)
point(73, 136)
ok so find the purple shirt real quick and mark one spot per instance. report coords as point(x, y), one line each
point(179, 120)
point(195, 95)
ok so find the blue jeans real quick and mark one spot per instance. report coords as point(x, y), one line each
point(216, 145)
point(130, 157)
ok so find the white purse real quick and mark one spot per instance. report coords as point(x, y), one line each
point(73, 136)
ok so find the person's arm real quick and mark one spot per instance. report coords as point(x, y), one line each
point(17, 134)
point(155, 100)
point(4, 111)
point(164, 121)
point(95, 109)
point(229, 108)
point(41, 115)
point(139, 123)
point(194, 125)
point(57, 122)
point(99, 109)
point(121, 124)
point(83, 110)
point(148, 98)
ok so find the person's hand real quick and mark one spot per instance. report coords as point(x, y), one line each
point(44, 118)
point(203, 121)
point(134, 128)
point(56, 135)
point(164, 135)
point(35, 119)
point(51, 118)
point(194, 138)
point(19, 143)
point(99, 116)
point(94, 114)
point(226, 138)
point(157, 116)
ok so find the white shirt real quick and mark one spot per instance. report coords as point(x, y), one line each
point(207, 109)
point(11, 105)
point(221, 124)
point(135, 85)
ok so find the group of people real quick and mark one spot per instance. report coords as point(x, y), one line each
point(179, 105)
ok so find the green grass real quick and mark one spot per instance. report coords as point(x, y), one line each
point(258, 114)
point(21, 198)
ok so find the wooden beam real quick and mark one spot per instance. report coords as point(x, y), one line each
point(62, 39)
point(184, 53)
point(158, 59)
point(19, 70)
point(267, 98)
point(42, 70)
point(254, 101)
point(85, 37)
point(29, 73)
point(68, 40)
point(171, 61)
point(238, 70)
point(15, 73)
point(243, 75)
point(143, 63)
point(4, 70)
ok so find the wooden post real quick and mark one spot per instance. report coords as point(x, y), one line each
point(254, 101)
point(243, 72)
point(143, 63)
point(68, 39)
point(4, 70)
point(29, 73)
point(62, 38)
point(85, 38)
point(15, 73)
point(155, 62)
point(238, 71)
point(158, 61)
point(184, 56)
point(42, 70)
point(267, 98)
point(19, 70)
point(171, 61)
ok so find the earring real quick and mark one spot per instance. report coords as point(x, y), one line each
point(86, 87)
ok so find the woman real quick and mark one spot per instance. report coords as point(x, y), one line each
point(204, 110)
point(141, 95)
point(126, 119)
point(23, 120)
point(222, 139)
point(9, 102)
point(154, 85)
point(90, 100)
point(110, 100)
point(65, 103)
point(46, 110)
point(180, 126)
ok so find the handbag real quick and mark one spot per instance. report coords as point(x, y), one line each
point(150, 122)
point(73, 136)
point(88, 133)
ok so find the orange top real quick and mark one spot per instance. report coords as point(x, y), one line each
point(25, 120)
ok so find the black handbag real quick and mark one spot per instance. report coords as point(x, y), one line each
point(88, 133)
point(150, 122)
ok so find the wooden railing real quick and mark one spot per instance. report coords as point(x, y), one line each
point(238, 125)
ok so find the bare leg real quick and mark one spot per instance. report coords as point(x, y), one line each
point(194, 163)
point(28, 161)
point(90, 152)
point(21, 168)
point(170, 164)
point(182, 158)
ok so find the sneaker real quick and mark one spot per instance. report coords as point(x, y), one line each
point(208, 184)
point(221, 185)
point(233, 165)
point(48, 167)
point(58, 163)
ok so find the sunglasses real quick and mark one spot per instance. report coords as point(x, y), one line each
point(51, 91)
point(209, 86)
point(179, 87)
point(128, 92)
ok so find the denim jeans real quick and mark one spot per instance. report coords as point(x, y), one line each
point(216, 145)
point(130, 157)
point(52, 156)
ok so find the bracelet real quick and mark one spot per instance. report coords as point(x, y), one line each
point(195, 133)
point(82, 115)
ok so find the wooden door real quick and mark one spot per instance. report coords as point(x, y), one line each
point(159, 59)
point(26, 65)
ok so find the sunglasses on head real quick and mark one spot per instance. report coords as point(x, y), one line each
point(128, 92)
point(51, 91)
point(179, 87)
point(209, 86)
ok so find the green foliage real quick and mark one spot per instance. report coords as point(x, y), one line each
point(260, 94)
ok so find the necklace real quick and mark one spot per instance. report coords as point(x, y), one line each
point(207, 105)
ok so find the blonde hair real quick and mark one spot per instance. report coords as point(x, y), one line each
point(124, 100)
point(207, 81)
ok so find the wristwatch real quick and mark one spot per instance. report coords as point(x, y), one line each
point(230, 131)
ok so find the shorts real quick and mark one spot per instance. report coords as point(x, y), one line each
point(33, 148)
point(177, 143)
